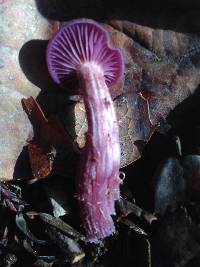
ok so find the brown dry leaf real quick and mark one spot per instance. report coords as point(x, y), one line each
point(49, 150)
point(20, 22)
point(161, 70)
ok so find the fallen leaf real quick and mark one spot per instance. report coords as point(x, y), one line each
point(23, 227)
point(68, 246)
point(126, 207)
point(14, 131)
point(161, 70)
point(180, 229)
point(170, 185)
point(20, 22)
point(50, 149)
point(61, 225)
point(176, 180)
point(10, 197)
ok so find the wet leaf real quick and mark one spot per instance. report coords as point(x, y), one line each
point(23, 227)
point(61, 225)
point(69, 246)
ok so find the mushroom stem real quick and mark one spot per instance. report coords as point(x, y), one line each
point(98, 180)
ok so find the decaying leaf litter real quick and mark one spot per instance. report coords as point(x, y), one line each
point(161, 71)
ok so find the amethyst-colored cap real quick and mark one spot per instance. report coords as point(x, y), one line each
point(80, 41)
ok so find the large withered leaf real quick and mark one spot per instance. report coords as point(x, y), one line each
point(161, 70)
point(14, 131)
point(20, 22)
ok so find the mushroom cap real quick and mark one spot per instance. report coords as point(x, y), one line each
point(80, 41)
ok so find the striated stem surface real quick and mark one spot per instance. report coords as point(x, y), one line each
point(98, 179)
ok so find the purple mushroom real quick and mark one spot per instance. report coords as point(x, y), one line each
point(80, 56)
